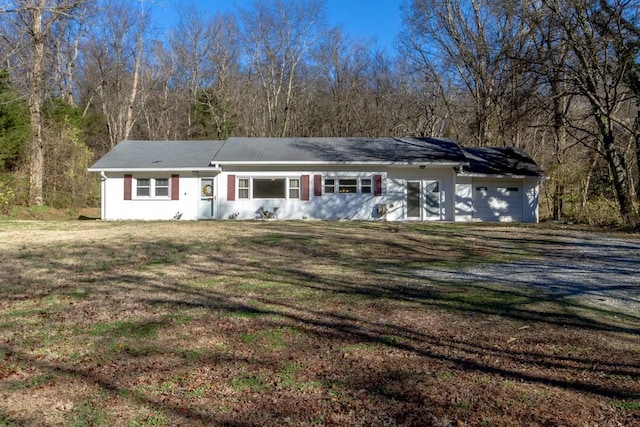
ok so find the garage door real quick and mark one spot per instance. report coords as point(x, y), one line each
point(493, 202)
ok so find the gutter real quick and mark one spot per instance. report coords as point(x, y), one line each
point(182, 169)
point(336, 163)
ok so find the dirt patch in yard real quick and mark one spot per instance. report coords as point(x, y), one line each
point(316, 323)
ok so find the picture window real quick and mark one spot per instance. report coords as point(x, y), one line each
point(269, 188)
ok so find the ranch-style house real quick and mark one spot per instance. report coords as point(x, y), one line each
point(393, 179)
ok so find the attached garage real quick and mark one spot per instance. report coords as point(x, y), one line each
point(497, 185)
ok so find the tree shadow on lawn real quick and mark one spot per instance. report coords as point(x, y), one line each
point(340, 314)
point(340, 326)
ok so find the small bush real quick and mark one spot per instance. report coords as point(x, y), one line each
point(7, 197)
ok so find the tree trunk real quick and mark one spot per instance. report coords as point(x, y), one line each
point(618, 168)
point(128, 124)
point(36, 82)
point(636, 137)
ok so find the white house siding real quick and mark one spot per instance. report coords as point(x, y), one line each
point(531, 190)
point(397, 189)
point(456, 195)
point(115, 207)
point(355, 206)
point(464, 199)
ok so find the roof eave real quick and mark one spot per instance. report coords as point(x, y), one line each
point(180, 169)
point(335, 163)
point(491, 175)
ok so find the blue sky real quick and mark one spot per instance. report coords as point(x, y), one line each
point(377, 20)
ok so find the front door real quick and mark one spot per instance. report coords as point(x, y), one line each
point(206, 205)
point(423, 200)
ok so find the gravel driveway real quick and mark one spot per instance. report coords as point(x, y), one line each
point(595, 270)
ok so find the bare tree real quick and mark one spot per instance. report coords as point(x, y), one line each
point(278, 35)
point(113, 60)
point(190, 44)
point(593, 30)
point(218, 98)
point(471, 48)
point(456, 33)
point(340, 85)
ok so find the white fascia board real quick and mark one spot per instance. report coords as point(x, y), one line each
point(133, 170)
point(318, 163)
point(486, 175)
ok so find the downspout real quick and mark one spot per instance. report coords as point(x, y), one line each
point(216, 207)
point(103, 195)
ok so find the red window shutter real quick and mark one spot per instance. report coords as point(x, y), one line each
point(317, 185)
point(175, 187)
point(304, 191)
point(231, 188)
point(128, 182)
point(377, 185)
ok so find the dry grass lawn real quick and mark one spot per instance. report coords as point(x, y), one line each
point(297, 323)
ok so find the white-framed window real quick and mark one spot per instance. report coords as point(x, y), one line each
point(348, 185)
point(143, 187)
point(365, 185)
point(162, 187)
point(294, 188)
point(153, 188)
point(243, 188)
point(329, 185)
point(268, 188)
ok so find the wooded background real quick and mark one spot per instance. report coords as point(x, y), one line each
point(558, 78)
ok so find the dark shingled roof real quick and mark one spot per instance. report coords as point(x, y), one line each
point(201, 154)
point(501, 161)
point(159, 155)
point(340, 150)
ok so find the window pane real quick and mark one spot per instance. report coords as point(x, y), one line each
point(294, 188)
point(413, 199)
point(143, 187)
point(243, 188)
point(162, 187)
point(269, 188)
point(348, 185)
point(365, 185)
point(329, 185)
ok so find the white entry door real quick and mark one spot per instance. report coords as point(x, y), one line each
point(423, 200)
point(206, 204)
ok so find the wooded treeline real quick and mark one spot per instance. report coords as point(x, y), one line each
point(559, 78)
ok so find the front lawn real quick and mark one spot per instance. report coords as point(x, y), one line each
point(299, 323)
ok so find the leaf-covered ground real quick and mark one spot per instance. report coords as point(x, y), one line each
point(300, 323)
